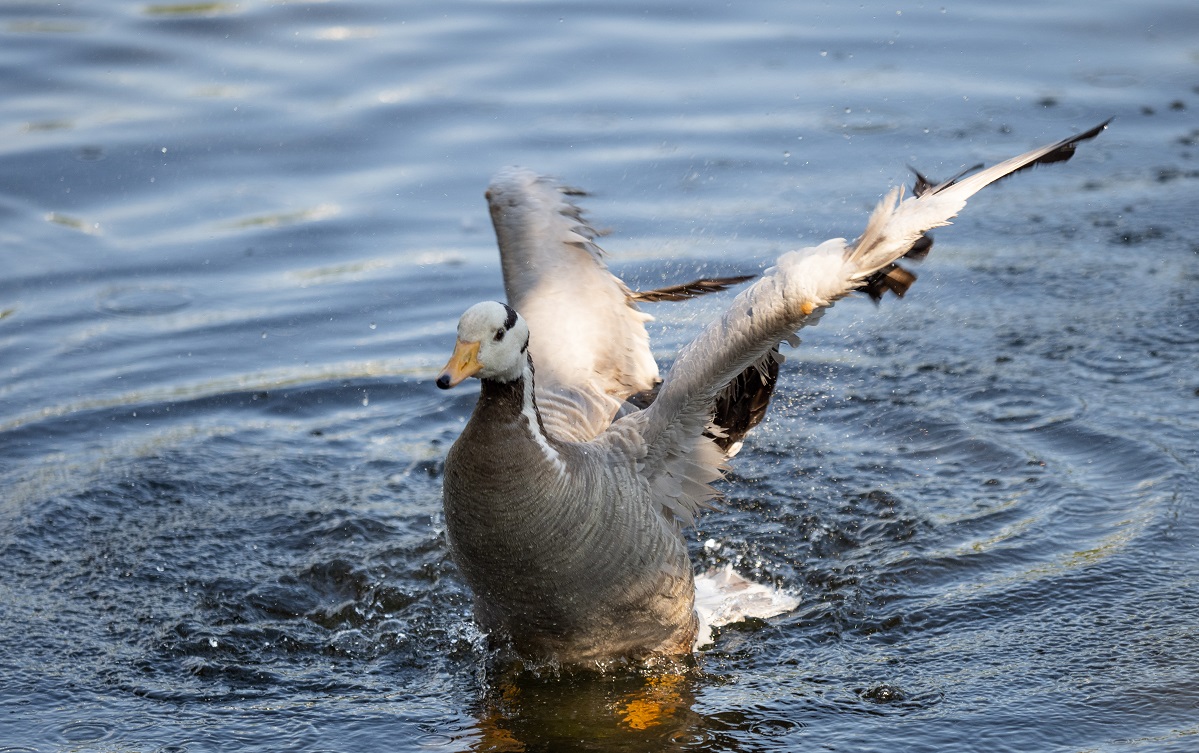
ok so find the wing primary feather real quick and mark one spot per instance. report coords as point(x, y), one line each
point(896, 226)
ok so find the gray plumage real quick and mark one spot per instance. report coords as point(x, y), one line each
point(565, 500)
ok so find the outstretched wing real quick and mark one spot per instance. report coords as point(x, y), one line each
point(588, 339)
point(791, 295)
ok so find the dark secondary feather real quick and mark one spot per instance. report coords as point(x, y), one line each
point(739, 407)
point(687, 290)
point(742, 404)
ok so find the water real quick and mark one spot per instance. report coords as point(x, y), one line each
point(236, 238)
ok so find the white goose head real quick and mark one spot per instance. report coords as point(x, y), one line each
point(492, 344)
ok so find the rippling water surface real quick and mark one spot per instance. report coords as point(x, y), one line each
point(236, 237)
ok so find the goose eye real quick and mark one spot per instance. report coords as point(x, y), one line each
point(499, 335)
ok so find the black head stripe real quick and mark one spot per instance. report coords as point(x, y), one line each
point(510, 322)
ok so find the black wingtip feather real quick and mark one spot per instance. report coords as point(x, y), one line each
point(1061, 151)
point(1065, 148)
point(923, 185)
point(687, 290)
point(920, 248)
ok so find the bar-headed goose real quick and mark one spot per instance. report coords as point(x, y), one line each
point(567, 492)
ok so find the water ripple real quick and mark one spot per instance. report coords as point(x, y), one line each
point(87, 731)
point(143, 300)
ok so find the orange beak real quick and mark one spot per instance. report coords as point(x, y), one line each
point(464, 363)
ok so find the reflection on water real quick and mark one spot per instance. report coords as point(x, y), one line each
point(236, 239)
point(620, 712)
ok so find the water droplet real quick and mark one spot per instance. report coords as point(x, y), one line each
point(90, 153)
point(373, 325)
point(212, 642)
point(824, 53)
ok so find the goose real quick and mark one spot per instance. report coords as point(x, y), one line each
point(567, 493)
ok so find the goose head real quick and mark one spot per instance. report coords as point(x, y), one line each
point(492, 344)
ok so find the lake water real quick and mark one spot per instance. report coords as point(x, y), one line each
point(235, 240)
